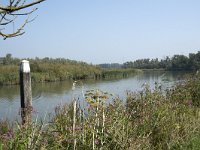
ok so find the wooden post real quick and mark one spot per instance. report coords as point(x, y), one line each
point(25, 92)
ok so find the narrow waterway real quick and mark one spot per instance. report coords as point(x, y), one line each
point(46, 96)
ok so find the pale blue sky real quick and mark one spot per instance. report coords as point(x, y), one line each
point(107, 31)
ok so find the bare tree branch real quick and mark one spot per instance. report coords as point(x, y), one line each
point(9, 13)
point(16, 33)
point(24, 14)
point(12, 8)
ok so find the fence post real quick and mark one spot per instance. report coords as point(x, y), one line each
point(25, 92)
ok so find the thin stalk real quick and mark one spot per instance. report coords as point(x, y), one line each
point(103, 126)
point(93, 142)
point(97, 119)
point(74, 124)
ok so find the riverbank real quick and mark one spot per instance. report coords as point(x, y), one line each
point(60, 70)
point(148, 120)
point(119, 73)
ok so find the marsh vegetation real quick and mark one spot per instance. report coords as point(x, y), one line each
point(59, 69)
point(149, 119)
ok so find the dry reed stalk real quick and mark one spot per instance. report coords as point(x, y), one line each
point(74, 123)
point(93, 140)
point(103, 126)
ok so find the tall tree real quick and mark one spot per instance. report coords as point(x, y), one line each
point(10, 10)
point(179, 62)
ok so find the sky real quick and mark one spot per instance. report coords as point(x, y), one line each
point(109, 31)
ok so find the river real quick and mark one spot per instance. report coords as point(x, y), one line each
point(46, 96)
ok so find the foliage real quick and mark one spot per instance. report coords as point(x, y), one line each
point(9, 75)
point(59, 69)
point(177, 62)
point(118, 73)
point(110, 66)
point(187, 92)
point(47, 70)
point(149, 119)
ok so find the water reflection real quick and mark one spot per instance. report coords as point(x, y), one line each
point(9, 93)
point(49, 89)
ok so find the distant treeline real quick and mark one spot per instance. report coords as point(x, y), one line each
point(111, 66)
point(177, 62)
point(50, 69)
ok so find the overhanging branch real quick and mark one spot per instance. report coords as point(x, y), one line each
point(8, 15)
point(12, 8)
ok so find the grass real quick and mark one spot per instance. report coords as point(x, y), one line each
point(148, 120)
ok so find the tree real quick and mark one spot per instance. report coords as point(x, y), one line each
point(179, 62)
point(12, 10)
point(8, 59)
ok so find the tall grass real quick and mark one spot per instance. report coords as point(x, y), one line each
point(148, 120)
point(9, 75)
point(57, 71)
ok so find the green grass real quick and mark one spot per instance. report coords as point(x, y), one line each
point(148, 120)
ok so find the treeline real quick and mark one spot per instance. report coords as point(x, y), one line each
point(177, 62)
point(111, 66)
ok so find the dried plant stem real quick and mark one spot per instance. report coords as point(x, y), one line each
point(74, 123)
point(97, 117)
point(103, 126)
point(93, 140)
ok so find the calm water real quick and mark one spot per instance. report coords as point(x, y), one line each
point(46, 96)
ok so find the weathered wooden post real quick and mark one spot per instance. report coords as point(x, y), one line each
point(25, 92)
